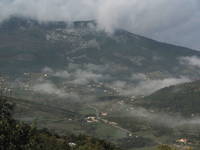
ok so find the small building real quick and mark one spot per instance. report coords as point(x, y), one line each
point(104, 114)
point(71, 144)
point(91, 119)
point(183, 141)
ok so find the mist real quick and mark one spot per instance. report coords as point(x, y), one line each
point(193, 61)
point(145, 86)
point(49, 88)
point(137, 84)
point(77, 75)
point(164, 118)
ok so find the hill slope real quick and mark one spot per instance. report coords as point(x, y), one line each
point(17, 135)
point(183, 98)
point(27, 45)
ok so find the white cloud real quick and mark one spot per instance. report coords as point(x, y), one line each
point(146, 87)
point(174, 21)
point(62, 74)
point(47, 70)
point(139, 76)
point(192, 61)
point(47, 87)
point(77, 75)
point(150, 86)
point(138, 84)
point(84, 77)
point(160, 118)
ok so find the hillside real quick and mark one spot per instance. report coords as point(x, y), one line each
point(129, 132)
point(29, 46)
point(183, 98)
point(18, 135)
point(15, 134)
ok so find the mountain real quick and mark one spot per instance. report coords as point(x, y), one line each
point(182, 98)
point(75, 78)
point(29, 46)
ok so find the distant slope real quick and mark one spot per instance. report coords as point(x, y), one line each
point(183, 98)
point(26, 45)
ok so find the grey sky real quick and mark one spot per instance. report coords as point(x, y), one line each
point(172, 21)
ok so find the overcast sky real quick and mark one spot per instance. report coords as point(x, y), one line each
point(172, 21)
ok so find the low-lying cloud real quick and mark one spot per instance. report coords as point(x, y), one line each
point(138, 84)
point(77, 76)
point(161, 117)
point(159, 19)
point(145, 86)
point(49, 88)
point(191, 60)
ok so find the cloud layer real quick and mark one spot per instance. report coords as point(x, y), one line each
point(137, 84)
point(174, 21)
point(191, 60)
point(146, 87)
point(165, 119)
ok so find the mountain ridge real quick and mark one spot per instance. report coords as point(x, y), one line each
point(56, 45)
